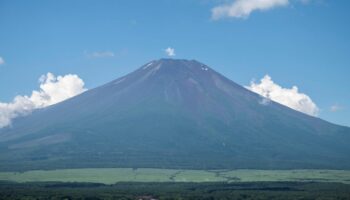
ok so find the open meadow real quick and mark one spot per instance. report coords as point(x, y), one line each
point(115, 175)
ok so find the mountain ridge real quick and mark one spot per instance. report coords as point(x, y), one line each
point(172, 113)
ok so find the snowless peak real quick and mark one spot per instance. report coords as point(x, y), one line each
point(169, 67)
point(179, 63)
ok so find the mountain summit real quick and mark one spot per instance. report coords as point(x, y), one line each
point(172, 114)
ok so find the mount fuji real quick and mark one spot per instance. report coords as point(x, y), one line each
point(172, 113)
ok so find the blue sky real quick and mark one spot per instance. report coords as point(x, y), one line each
point(301, 43)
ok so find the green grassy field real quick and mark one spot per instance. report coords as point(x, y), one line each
point(114, 175)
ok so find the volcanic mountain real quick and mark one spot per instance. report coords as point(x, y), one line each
point(172, 114)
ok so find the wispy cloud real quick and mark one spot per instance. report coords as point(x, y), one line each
point(170, 51)
point(335, 108)
point(285, 96)
point(52, 90)
point(100, 54)
point(2, 61)
point(243, 8)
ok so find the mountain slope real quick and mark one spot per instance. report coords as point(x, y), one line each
point(172, 114)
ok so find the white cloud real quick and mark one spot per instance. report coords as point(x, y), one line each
point(2, 61)
point(52, 90)
point(285, 96)
point(100, 54)
point(170, 51)
point(243, 8)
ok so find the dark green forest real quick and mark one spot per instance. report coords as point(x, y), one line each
point(147, 191)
